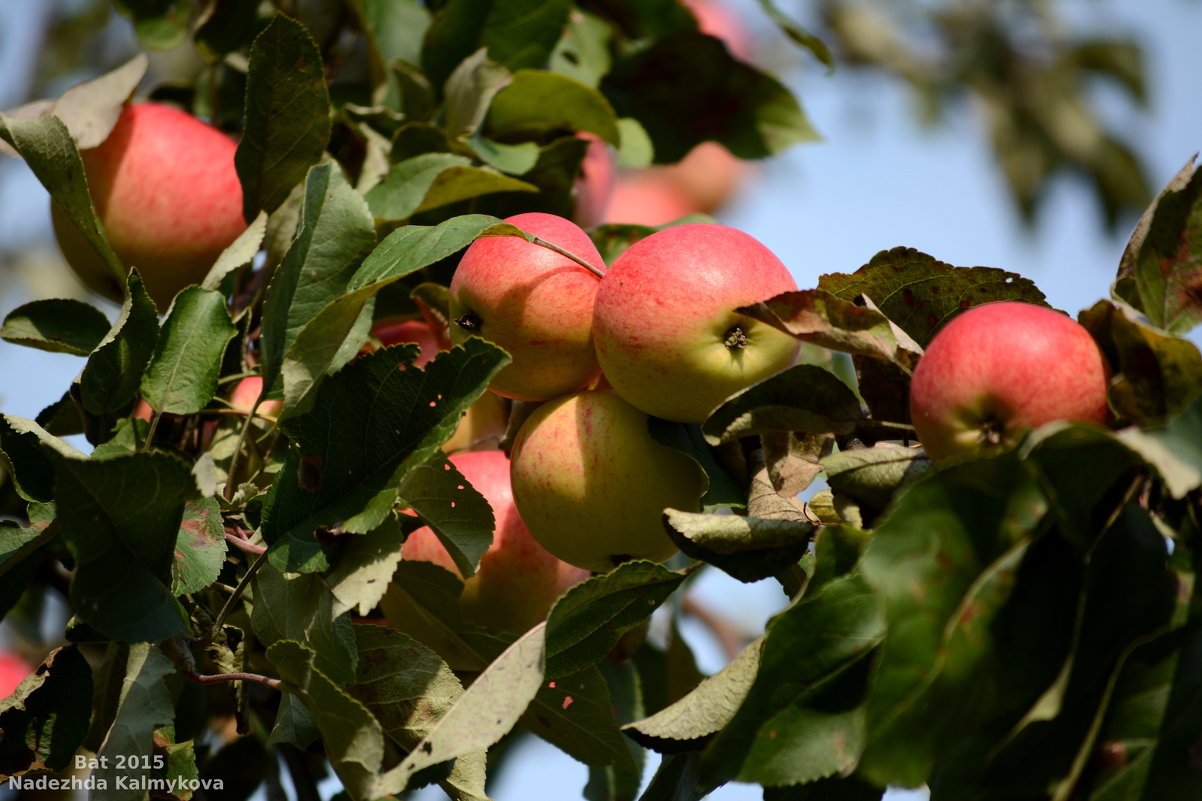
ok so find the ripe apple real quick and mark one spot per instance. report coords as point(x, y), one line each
point(719, 20)
point(246, 392)
point(13, 670)
point(648, 197)
point(398, 330)
point(594, 186)
point(533, 302)
point(592, 484)
point(667, 334)
point(517, 579)
point(166, 191)
point(999, 369)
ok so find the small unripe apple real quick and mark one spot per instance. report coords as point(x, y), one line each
point(166, 191)
point(667, 334)
point(13, 670)
point(535, 303)
point(592, 484)
point(1000, 369)
point(517, 579)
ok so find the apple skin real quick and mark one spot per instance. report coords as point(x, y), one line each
point(165, 189)
point(594, 187)
point(592, 484)
point(665, 313)
point(999, 369)
point(13, 670)
point(517, 580)
point(648, 197)
point(534, 303)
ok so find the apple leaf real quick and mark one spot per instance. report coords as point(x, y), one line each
point(1172, 449)
point(238, 253)
point(803, 717)
point(364, 567)
point(26, 451)
point(144, 705)
point(453, 508)
point(409, 689)
point(46, 145)
point(412, 247)
point(123, 545)
point(803, 397)
point(432, 180)
point(537, 104)
point(470, 90)
point(113, 372)
point(46, 718)
point(182, 375)
point(488, 709)
point(872, 476)
point(90, 109)
point(200, 547)
point(18, 542)
point(686, 88)
point(293, 724)
point(347, 459)
point(58, 325)
point(625, 691)
point(515, 33)
point(335, 233)
point(158, 24)
point(920, 293)
point(1156, 375)
point(575, 714)
point(395, 29)
point(698, 716)
point(1159, 270)
point(590, 618)
point(287, 115)
point(793, 460)
point(301, 608)
point(799, 35)
point(747, 548)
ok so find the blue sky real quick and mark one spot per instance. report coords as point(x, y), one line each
point(876, 182)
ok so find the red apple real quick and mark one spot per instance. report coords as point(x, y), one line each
point(709, 176)
point(517, 579)
point(592, 484)
point(667, 334)
point(595, 185)
point(533, 302)
point(718, 20)
point(399, 330)
point(166, 191)
point(246, 392)
point(648, 197)
point(13, 670)
point(1000, 369)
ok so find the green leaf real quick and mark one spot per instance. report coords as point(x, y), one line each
point(412, 247)
point(46, 718)
point(920, 293)
point(301, 609)
point(409, 689)
point(1173, 449)
point(799, 35)
point(686, 88)
point(364, 568)
point(238, 253)
point(113, 373)
point(575, 714)
point(590, 618)
point(46, 145)
point(335, 233)
point(145, 704)
point(1158, 273)
point(17, 542)
point(803, 718)
point(470, 90)
point(453, 508)
point(537, 104)
point(57, 325)
point(395, 28)
point(159, 24)
point(747, 548)
point(27, 451)
point(803, 397)
point(287, 115)
point(346, 460)
point(698, 716)
point(872, 476)
point(200, 547)
point(123, 541)
point(432, 180)
point(182, 375)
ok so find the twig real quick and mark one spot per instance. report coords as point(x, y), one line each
point(215, 678)
point(243, 544)
point(729, 637)
point(233, 599)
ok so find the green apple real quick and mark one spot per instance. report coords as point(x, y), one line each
point(166, 191)
point(1000, 369)
point(535, 303)
point(517, 579)
point(592, 484)
point(667, 334)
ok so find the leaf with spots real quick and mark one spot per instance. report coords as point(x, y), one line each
point(200, 547)
point(920, 293)
point(459, 515)
point(576, 714)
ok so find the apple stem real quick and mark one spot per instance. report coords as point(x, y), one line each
point(568, 254)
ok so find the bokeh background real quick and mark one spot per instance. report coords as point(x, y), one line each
point(904, 160)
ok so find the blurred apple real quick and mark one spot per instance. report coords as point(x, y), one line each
point(13, 670)
point(648, 197)
point(165, 189)
point(593, 190)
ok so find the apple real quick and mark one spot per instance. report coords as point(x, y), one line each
point(165, 189)
point(592, 484)
point(1000, 369)
point(13, 670)
point(517, 579)
point(648, 197)
point(709, 176)
point(399, 330)
point(535, 303)
point(246, 392)
point(720, 21)
point(667, 334)
point(594, 186)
